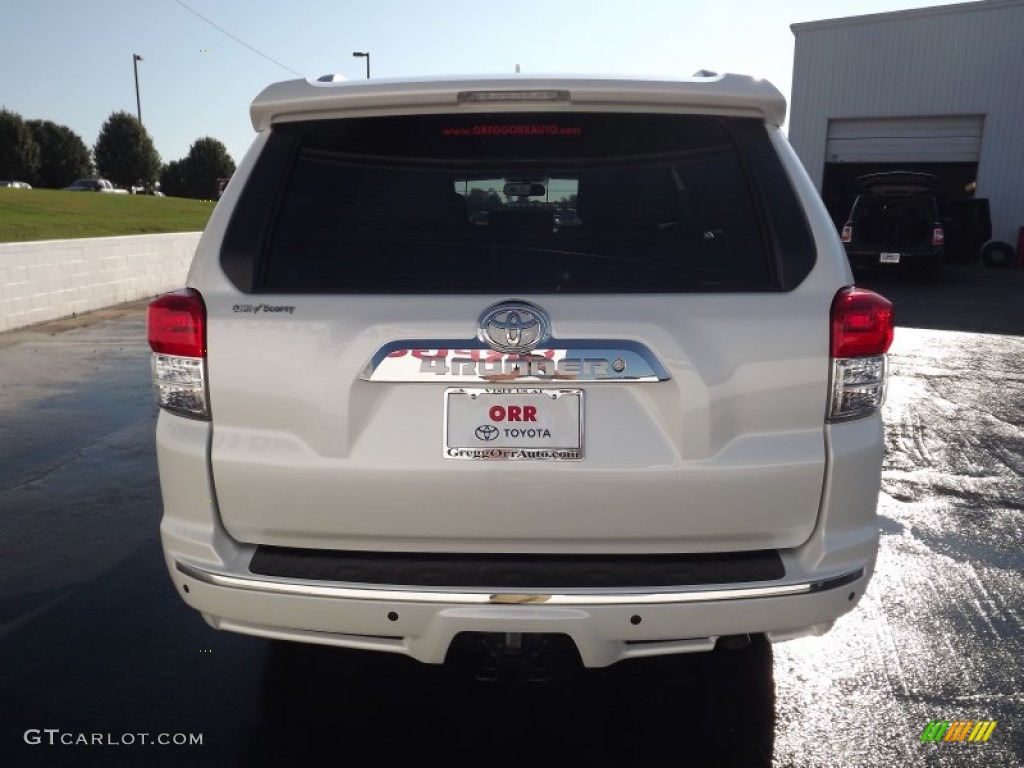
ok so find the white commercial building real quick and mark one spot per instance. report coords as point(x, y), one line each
point(939, 90)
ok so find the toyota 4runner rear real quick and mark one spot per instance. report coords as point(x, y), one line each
point(520, 358)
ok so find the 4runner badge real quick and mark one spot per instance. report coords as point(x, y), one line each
point(514, 326)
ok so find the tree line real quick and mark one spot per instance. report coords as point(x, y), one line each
point(46, 154)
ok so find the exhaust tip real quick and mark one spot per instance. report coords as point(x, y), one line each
point(733, 642)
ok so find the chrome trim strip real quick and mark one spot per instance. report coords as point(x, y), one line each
point(410, 595)
point(559, 361)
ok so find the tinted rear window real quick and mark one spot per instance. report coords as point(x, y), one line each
point(882, 221)
point(523, 203)
point(878, 208)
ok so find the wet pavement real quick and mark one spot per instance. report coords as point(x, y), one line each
point(95, 641)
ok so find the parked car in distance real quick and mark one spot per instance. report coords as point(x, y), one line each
point(16, 184)
point(389, 422)
point(95, 185)
point(145, 189)
point(896, 223)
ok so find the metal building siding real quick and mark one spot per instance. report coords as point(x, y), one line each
point(965, 59)
point(945, 139)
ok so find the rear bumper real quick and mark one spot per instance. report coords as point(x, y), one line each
point(823, 578)
point(872, 258)
point(605, 627)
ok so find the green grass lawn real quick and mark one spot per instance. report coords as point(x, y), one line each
point(48, 214)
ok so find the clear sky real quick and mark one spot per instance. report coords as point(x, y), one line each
point(70, 61)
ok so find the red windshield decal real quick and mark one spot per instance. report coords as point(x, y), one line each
point(533, 129)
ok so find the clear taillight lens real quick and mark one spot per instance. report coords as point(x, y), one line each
point(858, 387)
point(862, 327)
point(176, 328)
point(938, 236)
point(179, 384)
point(847, 233)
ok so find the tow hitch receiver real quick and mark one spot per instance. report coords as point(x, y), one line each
point(515, 658)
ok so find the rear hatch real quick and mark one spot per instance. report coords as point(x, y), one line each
point(655, 262)
point(893, 222)
point(898, 212)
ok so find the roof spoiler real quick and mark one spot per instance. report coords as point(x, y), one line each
point(708, 92)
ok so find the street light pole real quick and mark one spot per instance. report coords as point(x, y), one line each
point(135, 64)
point(364, 55)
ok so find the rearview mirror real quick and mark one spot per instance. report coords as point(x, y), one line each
point(524, 189)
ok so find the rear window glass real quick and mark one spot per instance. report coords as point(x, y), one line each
point(893, 221)
point(895, 208)
point(500, 203)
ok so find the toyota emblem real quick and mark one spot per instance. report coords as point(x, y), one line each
point(486, 432)
point(514, 326)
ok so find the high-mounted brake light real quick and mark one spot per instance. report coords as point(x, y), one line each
point(470, 97)
point(847, 233)
point(861, 334)
point(938, 236)
point(176, 328)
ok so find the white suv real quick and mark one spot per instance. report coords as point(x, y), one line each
point(515, 359)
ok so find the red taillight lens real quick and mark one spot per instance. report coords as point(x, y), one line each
point(862, 324)
point(847, 233)
point(176, 324)
point(938, 236)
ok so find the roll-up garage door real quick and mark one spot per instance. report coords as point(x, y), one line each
point(905, 140)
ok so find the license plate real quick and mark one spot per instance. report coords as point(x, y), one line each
point(513, 424)
point(889, 258)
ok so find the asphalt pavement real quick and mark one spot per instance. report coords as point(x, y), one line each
point(95, 642)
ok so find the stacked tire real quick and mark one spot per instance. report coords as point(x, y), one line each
point(997, 254)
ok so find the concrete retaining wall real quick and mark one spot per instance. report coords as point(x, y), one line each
point(50, 279)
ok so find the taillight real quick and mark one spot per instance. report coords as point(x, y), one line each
point(176, 328)
point(862, 323)
point(938, 236)
point(847, 233)
point(861, 333)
